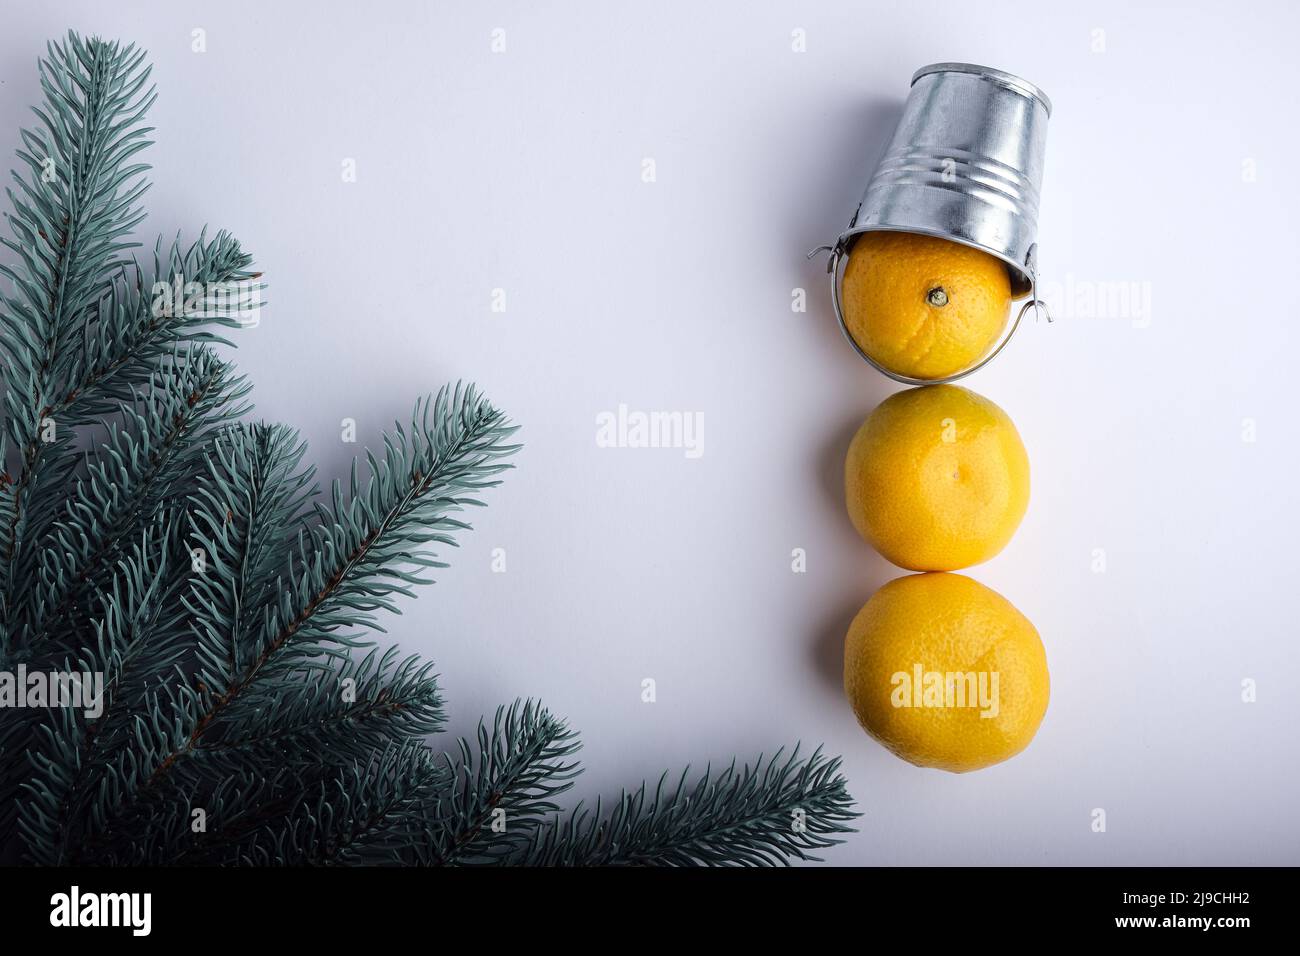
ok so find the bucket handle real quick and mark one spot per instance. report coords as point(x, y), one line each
point(837, 254)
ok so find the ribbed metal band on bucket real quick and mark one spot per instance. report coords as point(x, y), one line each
point(961, 171)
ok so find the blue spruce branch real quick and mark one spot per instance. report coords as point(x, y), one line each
point(189, 558)
point(757, 815)
point(71, 216)
point(133, 329)
point(150, 452)
point(497, 794)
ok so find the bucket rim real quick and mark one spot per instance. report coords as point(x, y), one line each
point(1010, 80)
point(1022, 279)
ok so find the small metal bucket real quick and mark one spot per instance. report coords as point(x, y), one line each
point(964, 164)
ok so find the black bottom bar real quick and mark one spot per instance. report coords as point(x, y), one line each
point(364, 904)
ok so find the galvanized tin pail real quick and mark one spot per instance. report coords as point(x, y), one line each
point(965, 164)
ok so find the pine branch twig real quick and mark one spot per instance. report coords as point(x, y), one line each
point(71, 216)
point(759, 815)
point(498, 793)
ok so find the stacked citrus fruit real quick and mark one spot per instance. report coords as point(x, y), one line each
point(939, 668)
point(924, 307)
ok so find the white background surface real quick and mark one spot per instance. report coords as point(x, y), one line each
point(522, 170)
